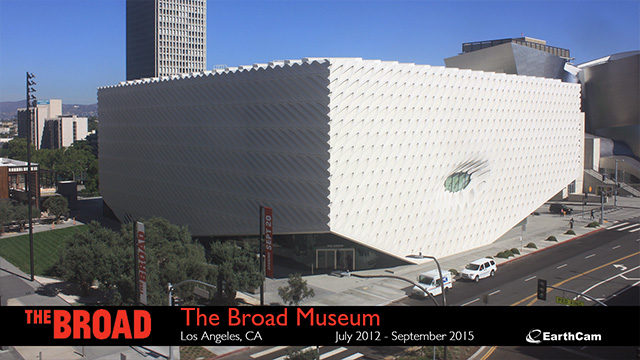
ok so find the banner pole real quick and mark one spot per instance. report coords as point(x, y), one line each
point(261, 258)
point(135, 263)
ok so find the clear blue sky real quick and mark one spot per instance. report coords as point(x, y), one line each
point(76, 46)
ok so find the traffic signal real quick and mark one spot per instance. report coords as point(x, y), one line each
point(542, 289)
point(176, 301)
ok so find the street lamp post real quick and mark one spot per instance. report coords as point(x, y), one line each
point(30, 97)
point(348, 274)
point(615, 194)
point(444, 297)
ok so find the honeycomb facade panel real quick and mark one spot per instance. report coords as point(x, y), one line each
point(401, 158)
point(515, 140)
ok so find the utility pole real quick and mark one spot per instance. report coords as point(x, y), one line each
point(30, 97)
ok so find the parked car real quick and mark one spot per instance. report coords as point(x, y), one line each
point(479, 269)
point(430, 280)
point(557, 209)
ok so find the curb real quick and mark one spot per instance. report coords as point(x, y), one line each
point(477, 353)
point(551, 246)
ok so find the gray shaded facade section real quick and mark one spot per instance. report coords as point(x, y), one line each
point(210, 149)
point(611, 90)
point(510, 58)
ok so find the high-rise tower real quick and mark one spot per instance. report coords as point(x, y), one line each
point(166, 37)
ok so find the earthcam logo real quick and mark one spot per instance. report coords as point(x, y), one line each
point(536, 336)
point(533, 336)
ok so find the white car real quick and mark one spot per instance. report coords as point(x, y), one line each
point(479, 269)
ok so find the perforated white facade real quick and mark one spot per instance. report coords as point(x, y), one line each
point(402, 158)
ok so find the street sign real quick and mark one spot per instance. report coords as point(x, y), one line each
point(201, 292)
point(568, 302)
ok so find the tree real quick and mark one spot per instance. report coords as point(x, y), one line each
point(297, 353)
point(238, 268)
point(106, 257)
point(6, 213)
point(21, 214)
point(296, 291)
point(17, 149)
point(76, 161)
point(12, 211)
point(95, 254)
point(57, 206)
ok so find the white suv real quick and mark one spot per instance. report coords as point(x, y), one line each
point(479, 269)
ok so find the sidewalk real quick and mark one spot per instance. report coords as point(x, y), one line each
point(331, 290)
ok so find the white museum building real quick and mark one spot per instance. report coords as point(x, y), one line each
point(363, 161)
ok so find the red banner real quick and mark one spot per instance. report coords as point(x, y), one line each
point(268, 241)
point(141, 260)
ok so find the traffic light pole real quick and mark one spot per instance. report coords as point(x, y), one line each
point(542, 292)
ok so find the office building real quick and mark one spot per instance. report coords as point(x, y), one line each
point(49, 128)
point(64, 131)
point(361, 160)
point(44, 110)
point(165, 37)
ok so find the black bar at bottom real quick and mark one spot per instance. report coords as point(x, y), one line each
point(321, 325)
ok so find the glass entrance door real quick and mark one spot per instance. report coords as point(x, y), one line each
point(335, 259)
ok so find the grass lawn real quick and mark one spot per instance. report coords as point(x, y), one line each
point(46, 246)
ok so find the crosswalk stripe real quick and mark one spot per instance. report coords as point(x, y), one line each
point(627, 227)
point(354, 356)
point(617, 225)
point(332, 352)
point(268, 351)
point(634, 230)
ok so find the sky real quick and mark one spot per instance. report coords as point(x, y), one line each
point(76, 46)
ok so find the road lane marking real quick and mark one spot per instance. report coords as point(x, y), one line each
point(268, 351)
point(617, 225)
point(354, 356)
point(470, 302)
point(531, 278)
point(615, 247)
point(589, 256)
point(332, 352)
point(607, 280)
point(495, 292)
point(534, 296)
point(627, 227)
point(489, 352)
point(561, 266)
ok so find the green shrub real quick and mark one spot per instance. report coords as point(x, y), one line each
point(531, 246)
point(515, 251)
point(505, 254)
point(551, 238)
point(593, 224)
point(570, 232)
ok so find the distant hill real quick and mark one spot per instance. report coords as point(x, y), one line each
point(9, 109)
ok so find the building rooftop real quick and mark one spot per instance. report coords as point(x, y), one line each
point(538, 44)
point(11, 162)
